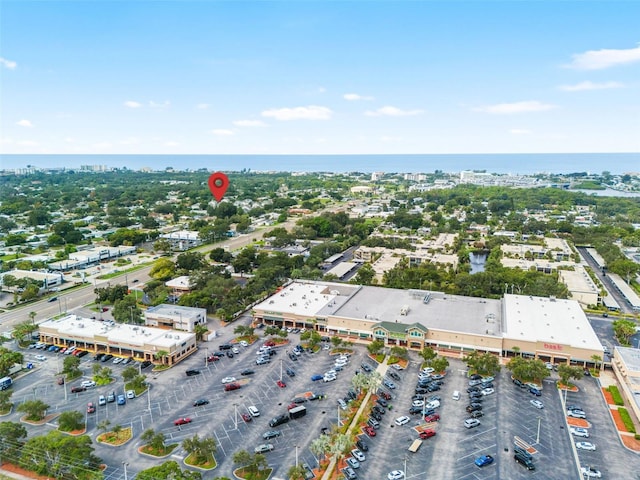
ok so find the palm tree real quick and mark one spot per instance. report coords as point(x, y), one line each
point(161, 355)
point(296, 472)
point(200, 330)
point(597, 359)
point(201, 448)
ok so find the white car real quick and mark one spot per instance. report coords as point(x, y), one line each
point(397, 366)
point(228, 380)
point(88, 384)
point(329, 378)
point(585, 446)
point(433, 404)
point(327, 347)
point(235, 350)
point(537, 403)
point(579, 432)
point(402, 420)
point(358, 455)
point(487, 391)
point(244, 343)
point(396, 475)
point(428, 370)
point(590, 472)
point(418, 403)
point(117, 360)
point(265, 447)
point(42, 358)
point(131, 394)
point(576, 414)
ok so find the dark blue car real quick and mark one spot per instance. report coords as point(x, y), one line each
point(315, 378)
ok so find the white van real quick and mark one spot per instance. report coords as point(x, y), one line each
point(254, 411)
point(456, 395)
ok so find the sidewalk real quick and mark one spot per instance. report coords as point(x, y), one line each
point(627, 439)
point(381, 369)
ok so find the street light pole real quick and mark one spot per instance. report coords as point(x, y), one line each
point(405, 467)
point(296, 456)
point(235, 410)
point(538, 435)
point(124, 464)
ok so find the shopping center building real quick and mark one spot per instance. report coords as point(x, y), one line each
point(138, 341)
point(551, 329)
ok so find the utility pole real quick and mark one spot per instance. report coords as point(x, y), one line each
point(124, 464)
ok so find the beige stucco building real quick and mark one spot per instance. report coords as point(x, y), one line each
point(550, 329)
point(139, 342)
point(626, 366)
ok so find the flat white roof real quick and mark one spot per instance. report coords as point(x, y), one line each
point(544, 319)
point(342, 269)
point(578, 280)
point(75, 326)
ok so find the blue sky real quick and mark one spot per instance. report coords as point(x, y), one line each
point(292, 77)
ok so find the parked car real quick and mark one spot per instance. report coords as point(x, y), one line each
point(361, 444)
point(91, 407)
point(585, 446)
point(353, 463)
point(228, 380)
point(265, 447)
point(402, 420)
point(131, 394)
point(432, 418)
point(315, 378)
point(231, 386)
point(536, 403)
point(579, 432)
point(271, 434)
point(471, 422)
point(395, 475)
point(200, 402)
point(247, 371)
point(182, 421)
point(88, 383)
point(476, 414)
point(349, 473)
point(576, 414)
point(281, 384)
point(484, 460)
point(192, 372)
point(121, 400)
point(102, 400)
point(427, 434)
point(590, 472)
point(382, 402)
point(369, 430)
point(487, 391)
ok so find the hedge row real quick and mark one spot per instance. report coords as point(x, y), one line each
point(615, 393)
point(626, 419)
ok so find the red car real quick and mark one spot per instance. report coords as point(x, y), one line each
point(182, 421)
point(91, 408)
point(432, 418)
point(281, 384)
point(427, 434)
point(385, 395)
point(292, 405)
point(246, 417)
point(231, 386)
point(269, 343)
point(369, 431)
point(212, 358)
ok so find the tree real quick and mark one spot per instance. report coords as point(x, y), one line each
point(251, 463)
point(161, 355)
point(33, 409)
point(375, 347)
point(12, 437)
point(365, 275)
point(168, 470)
point(129, 373)
point(566, 372)
point(127, 311)
point(163, 269)
point(399, 352)
point(71, 420)
point(439, 364)
point(102, 375)
point(597, 360)
point(5, 400)
point(200, 330)
point(428, 354)
point(61, 456)
point(71, 366)
point(336, 341)
point(155, 440)
point(483, 363)
point(321, 445)
point(296, 472)
point(22, 331)
point(623, 330)
point(202, 449)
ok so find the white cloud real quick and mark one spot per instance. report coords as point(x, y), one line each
point(312, 112)
point(352, 97)
point(249, 123)
point(605, 58)
point(130, 141)
point(321, 90)
point(11, 65)
point(519, 131)
point(388, 138)
point(25, 123)
point(101, 145)
point(389, 111)
point(202, 106)
point(587, 85)
point(27, 143)
point(516, 107)
point(70, 140)
point(222, 132)
point(132, 104)
point(171, 144)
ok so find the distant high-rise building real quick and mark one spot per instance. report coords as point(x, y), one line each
point(375, 176)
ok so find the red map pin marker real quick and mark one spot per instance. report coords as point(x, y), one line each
point(218, 184)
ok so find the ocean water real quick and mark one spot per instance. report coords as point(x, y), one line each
point(616, 163)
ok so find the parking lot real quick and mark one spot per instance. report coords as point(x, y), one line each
point(508, 417)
